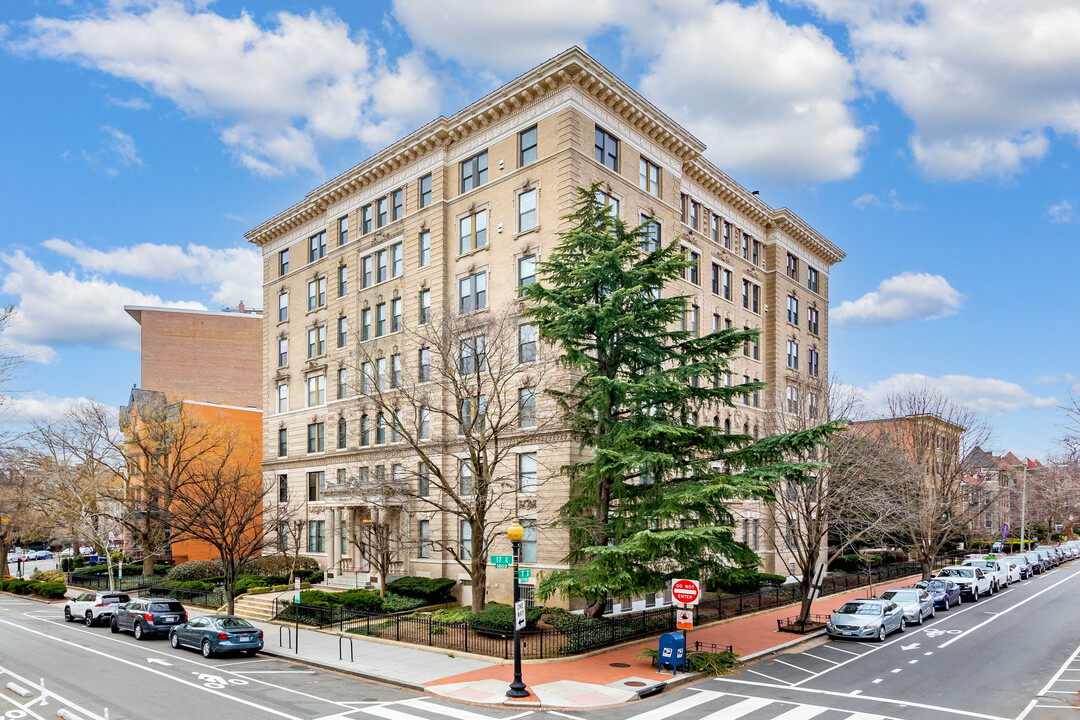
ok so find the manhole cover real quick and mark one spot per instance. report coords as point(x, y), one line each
point(634, 683)
point(618, 664)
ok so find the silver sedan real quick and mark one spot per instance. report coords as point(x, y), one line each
point(916, 603)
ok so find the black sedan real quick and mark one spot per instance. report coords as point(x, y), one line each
point(216, 634)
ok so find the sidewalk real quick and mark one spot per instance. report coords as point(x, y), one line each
point(605, 678)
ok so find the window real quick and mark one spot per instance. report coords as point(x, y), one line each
point(316, 390)
point(397, 204)
point(424, 533)
point(425, 307)
point(315, 437)
point(395, 315)
point(811, 278)
point(474, 172)
point(695, 315)
point(746, 343)
point(342, 332)
point(365, 219)
point(465, 478)
point(316, 529)
point(526, 273)
point(465, 552)
point(757, 346)
point(608, 201)
point(527, 210)
point(283, 488)
point(714, 228)
point(425, 190)
point(472, 232)
point(649, 177)
point(793, 355)
point(473, 355)
point(755, 297)
point(746, 294)
point(283, 352)
point(725, 284)
point(691, 273)
point(342, 384)
point(527, 407)
point(395, 370)
point(396, 424)
point(365, 271)
point(425, 248)
point(316, 341)
point(380, 266)
point(342, 440)
point(365, 431)
point(283, 262)
point(282, 307)
point(367, 376)
point(365, 324)
point(282, 398)
point(792, 399)
point(607, 149)
point(793, 310)
point(316, 291)
point(380, 319)
point(793, 267)
point(812, 320)
point(812, 362)
point(317, 247)
point(526, 466)
point(380, 429)
point(695, 211)
point(424, 365)
point(757, 252)
point(650, 240)
point(342, 280)
point(745, 246)
point(715, 279)
point(282, 442)
point(395, 260)
point(473, 290)
point(526, 343)
point(746, 393)
point(380, 373)
point(473, 411)
point(757, 403)
point(380, 212)
point(423, 474)
point(425, 422)
point(528, 544)
point(343, 230)
point(527, 146)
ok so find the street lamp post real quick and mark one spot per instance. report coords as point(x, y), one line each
point(517, 688)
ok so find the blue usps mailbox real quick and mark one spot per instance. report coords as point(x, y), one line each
point(672, 652)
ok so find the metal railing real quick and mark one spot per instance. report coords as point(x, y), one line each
point(101, 582)
point(189, 596)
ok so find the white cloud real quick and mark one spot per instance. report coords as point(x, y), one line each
point(984, 396)
point(58, 308)
point(279, 90)
point(1054, 379)
point(889, 202)
point(769, 98)
point(984, 82)
point(117, 151)
point(37, 406)
point(234, 273)
point(1061, 212)
point(133, 103)
point(907, 296)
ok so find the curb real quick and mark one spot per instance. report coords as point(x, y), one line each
point(783, 646)
point(32, 598)
point(328, 666)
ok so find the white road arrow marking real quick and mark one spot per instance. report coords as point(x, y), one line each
point(912, 646)
point(157, 662)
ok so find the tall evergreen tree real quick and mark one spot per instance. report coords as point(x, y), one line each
point(646, 502)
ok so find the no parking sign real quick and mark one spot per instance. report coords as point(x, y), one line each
point(684, 619)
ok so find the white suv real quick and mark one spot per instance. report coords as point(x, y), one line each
point(94, 607)
point(972, 580)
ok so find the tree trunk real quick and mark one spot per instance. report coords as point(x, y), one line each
point(229, 566)
point(594, 609)
point(805, 586)
point(148, 566)
point(109, 572)
point(4, 545)
point(927, 564)
point(478, 573)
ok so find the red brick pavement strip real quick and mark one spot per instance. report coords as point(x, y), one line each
point(747, 634)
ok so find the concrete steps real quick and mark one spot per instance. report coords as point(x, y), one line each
point(256, 607)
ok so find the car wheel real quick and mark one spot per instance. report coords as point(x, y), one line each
point(114, 627)
point(174, 640)
point(138, 630)
point(881, 633)
point(920, 617)
point(251, 653)
point(933, 612)
point(946, 602)
point(960, 599)
point(903, 624)
point(89, 619)
point(975, 595)
point(207, 651)
point(67, 615)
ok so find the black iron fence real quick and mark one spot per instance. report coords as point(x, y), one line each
point(90, 581)
point(189, 596)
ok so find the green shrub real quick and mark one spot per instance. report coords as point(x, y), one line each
point(190, 585)
point(360, 599)
point(245, 582)
point(562, 619)
point(195, 570)
point(319, 597)
point(855, 563)
point(496, 616)
point(433, 590)
point(770, 580)
point(451, 615)
point(709, 663)
point(52, 590)
point(399, 603)
point(279, 565)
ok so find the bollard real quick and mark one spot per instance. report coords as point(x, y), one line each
point(44, 700)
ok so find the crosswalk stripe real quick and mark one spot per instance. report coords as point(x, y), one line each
point(736, 711)
point(388, 713)
point(684, 703)
point(453, 712)
point(865, 716)
point(802, 712)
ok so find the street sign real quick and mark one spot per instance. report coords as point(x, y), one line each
point(519, 615)
point(502, 561)
point(524, 574)
point(296, 591)
point(687, 592)
point(684, 619)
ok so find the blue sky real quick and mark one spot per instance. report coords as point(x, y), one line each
point(140, 139)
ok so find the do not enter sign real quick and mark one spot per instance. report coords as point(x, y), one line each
point(687, 592)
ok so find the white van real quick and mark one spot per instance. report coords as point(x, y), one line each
point(995, 569)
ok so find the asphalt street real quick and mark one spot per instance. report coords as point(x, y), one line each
point(1012, 656)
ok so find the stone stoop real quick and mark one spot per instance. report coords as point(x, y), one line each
point(256, 607)
point(346, 581)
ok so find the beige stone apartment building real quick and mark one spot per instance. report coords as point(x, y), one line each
point(455, 216)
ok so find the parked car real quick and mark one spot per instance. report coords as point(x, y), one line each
point(1038, 562)
point(1013, 567)
point(996, 570)
point(86, 550)
point(148, 616)
point(944, 593)
point(1052, 553)
point(1049, 559)
point(1023, 565)
point(94, 607)
point(67, 552)
point(866, 619)
point(971, 580)
point(915, 602)
point(210, 634)
point(43, 555)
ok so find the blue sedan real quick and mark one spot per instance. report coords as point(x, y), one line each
point(215, 634)
point(945, 593)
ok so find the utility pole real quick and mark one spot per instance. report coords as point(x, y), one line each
point(1023, 509)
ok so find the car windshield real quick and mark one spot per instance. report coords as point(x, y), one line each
point(957, 572)
point(860, 609)
point(233, 623)
point(899, 595)
point(932, 585)
point(988, 564)
point(167, 607)
point(114, 599)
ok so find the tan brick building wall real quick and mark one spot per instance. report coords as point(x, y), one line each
point(567, 99)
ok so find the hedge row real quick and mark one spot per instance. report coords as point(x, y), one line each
point(362, 600)
point(855, 562)
point(433, 590)
point(271, 566)
point(50, 590)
